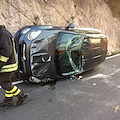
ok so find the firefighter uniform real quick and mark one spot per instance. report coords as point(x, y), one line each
point(8, 64)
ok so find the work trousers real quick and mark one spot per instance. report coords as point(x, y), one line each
point(6, 81)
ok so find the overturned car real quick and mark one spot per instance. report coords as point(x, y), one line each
point(48, 52)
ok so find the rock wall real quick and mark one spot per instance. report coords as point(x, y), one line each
point(85, 13)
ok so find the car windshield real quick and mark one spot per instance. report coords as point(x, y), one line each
point(69, 53)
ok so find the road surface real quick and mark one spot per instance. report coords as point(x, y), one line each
point(94, 97)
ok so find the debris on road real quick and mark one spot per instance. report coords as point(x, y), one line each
point(74, 78)
point(94, 84)
point(49, 85)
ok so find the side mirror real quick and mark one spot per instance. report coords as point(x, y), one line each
point(71, 25)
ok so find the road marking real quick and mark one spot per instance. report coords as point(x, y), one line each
point(117, 108)
point(14, 83)
point(112, 56)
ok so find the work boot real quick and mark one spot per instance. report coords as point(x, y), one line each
point(21, 97)
point(7, 102)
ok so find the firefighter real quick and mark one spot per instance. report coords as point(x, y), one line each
point(8, 65)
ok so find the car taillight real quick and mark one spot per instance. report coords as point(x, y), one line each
point(105, 43)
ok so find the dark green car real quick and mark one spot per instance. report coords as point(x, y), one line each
point(48, 52)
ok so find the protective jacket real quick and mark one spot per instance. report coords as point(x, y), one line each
point(8, 61)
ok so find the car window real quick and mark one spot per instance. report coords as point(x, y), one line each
point(68, 52)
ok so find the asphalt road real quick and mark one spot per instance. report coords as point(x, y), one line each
point(94, 97)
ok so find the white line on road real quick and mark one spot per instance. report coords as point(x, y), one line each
point(112, 56)
point(14, 83)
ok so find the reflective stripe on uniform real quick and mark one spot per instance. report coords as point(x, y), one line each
point(9, 68)
point(3, 58)
point(14, 48)
point(17, 92)
point(7, 91)
point(8, 95)
point(13, 90)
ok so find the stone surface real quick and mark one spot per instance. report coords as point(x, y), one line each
point(85, 13)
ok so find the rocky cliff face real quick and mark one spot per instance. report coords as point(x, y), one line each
point(85, 13)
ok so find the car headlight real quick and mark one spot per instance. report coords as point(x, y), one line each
point(34, 34)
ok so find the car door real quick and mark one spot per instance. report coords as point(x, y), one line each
point(93, 52)
point(68, 53)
